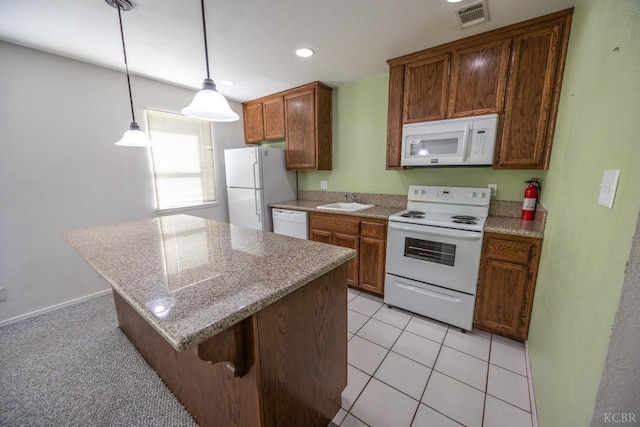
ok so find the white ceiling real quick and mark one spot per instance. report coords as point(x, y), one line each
point(251, 42)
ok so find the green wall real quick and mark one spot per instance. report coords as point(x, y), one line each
point(586, 245)
point(359, 152)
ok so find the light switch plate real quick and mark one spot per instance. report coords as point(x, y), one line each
point(608, 188)
point(323, 185)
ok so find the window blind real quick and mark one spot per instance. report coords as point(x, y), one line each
point(182, 157)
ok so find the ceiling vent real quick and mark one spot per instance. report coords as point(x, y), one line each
point(474, 14)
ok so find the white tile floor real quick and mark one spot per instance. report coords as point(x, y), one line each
point(407, 370)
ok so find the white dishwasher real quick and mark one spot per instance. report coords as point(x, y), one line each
point(290, 223)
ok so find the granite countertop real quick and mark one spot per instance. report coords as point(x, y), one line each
point(379, 212)
point(191, 278)
point(504, 216)
point(514, 227)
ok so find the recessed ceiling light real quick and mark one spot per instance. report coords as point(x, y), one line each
point(304, 52)
point(226, 83)
point(454, 1)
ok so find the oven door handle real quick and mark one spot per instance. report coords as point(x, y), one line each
point(428, 293)
point(455, 234)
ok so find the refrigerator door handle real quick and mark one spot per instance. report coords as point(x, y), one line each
point(255, 184)
point(256, 201)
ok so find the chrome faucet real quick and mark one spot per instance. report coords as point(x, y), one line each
point(354, 197)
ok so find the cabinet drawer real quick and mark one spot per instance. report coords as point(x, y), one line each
point(373, 229)
point(509, 250)
point(333, 223)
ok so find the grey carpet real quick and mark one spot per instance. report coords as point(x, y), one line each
point(74, 367)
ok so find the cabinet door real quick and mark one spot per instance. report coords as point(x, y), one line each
point(395, 117)
point(501, 296)
point(373, 251)
point(478, 79)
point(273, 110)
point(506, 284)
point(372, 264)
point(253, 122)
point(526, 135)
point(352, 242)
point(426, 85)
point(323, 236)
point(300, 126)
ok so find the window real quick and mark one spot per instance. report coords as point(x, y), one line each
point(182, 157)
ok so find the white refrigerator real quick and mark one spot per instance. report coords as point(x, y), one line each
point(256, 177)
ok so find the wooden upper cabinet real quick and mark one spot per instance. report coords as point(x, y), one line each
point(302, 117)
point(395, 116)
point(514, 71)
point(273, 113)
point(425, 89)
point(308, 127)
point(263, 120)
point(253, 122)
point(531, 100)
point(478, 79)
point(300, 125)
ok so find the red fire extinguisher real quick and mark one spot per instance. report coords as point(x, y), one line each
point(531, 194)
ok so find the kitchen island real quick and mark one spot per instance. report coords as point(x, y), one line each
point(246, 328)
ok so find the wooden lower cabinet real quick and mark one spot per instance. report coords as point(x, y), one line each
point(365, 235)
point(506, 284)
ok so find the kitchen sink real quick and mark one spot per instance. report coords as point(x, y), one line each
point(348, 207)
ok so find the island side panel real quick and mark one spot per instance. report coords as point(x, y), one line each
point(303, 352)
point(211, 393)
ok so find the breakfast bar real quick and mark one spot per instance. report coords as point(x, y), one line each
point(246, 328)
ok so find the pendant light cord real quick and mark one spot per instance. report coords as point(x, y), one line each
point(126, 65)
point(206, 47)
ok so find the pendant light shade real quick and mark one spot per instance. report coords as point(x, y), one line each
point(133, 137)
point(209, 104)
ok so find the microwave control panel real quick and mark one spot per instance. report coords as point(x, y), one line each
point(478, 142)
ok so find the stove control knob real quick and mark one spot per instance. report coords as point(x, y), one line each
point(474, 194)
point(483, 195)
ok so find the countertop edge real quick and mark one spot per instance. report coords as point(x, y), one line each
point(512, 226)
point(215, 328)
point(376, 212)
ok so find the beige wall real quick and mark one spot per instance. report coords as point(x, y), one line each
point(59, 169)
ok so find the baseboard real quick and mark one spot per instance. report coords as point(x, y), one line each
point(532, 397)
point(53, 307)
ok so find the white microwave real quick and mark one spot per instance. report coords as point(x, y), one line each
point(468, 141)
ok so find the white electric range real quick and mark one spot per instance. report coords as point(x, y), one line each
point(433, 252)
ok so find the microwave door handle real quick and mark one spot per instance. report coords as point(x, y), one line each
point(466, 143)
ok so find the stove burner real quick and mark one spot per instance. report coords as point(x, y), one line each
point(464, 218)
point(413, 214)
point(464, 221)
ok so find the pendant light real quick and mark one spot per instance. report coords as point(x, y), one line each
point(209, 104)
point(133, 137)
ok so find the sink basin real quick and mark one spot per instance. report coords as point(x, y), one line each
point(348, 207)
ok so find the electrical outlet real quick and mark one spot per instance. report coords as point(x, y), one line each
point(2, 295)
point(494, 189)
point(323, 185)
